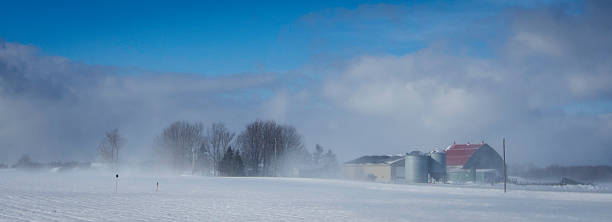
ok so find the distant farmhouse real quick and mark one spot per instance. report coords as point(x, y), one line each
point(459, 163)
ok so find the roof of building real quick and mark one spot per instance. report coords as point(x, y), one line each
point(385, 159)
point(459, 154)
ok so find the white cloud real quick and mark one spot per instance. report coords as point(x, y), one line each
point(539, 44)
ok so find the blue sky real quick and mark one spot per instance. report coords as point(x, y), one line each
point(198, 37)
point(214, 38)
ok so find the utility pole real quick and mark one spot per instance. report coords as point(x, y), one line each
point(275, 158)
point(505, 171)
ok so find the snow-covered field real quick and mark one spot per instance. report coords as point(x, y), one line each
point(90, 196)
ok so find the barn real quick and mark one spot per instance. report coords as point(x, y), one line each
point(384, 168)
point(478, 163)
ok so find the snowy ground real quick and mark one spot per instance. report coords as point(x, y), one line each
point(89, 196)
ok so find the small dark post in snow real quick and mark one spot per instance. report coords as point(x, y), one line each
point(156, 186)
point(116, 182)
point(505, 172)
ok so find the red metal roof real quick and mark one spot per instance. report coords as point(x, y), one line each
point(458, 154)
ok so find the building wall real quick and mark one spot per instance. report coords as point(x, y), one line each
point(457, 174)
point(398, 174)
point(398, 171)
point(379, 172)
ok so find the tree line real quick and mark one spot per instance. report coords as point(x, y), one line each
point(581, 173)
point(26, 163)
point(262, 148)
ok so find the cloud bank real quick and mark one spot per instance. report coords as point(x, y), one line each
point(53, 108)
point(545, 86)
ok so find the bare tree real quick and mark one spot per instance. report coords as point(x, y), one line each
point(290, 150)
point(252, 142)
point(181, 143)
point(219, 140)
point(110, 146)
point(266, 147)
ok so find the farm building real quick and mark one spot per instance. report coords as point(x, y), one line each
point(385, 168)
point(459, 163)
point(473, 163)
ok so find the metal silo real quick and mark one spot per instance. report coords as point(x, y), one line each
point(437, 166)
point(417, 166)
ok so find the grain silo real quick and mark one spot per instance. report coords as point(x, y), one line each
point(437, 166)
point(416, 167)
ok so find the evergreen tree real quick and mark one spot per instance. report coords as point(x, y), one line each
point(226, 165)
point(329, 159)
point(231, 164)
point(238, 164)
